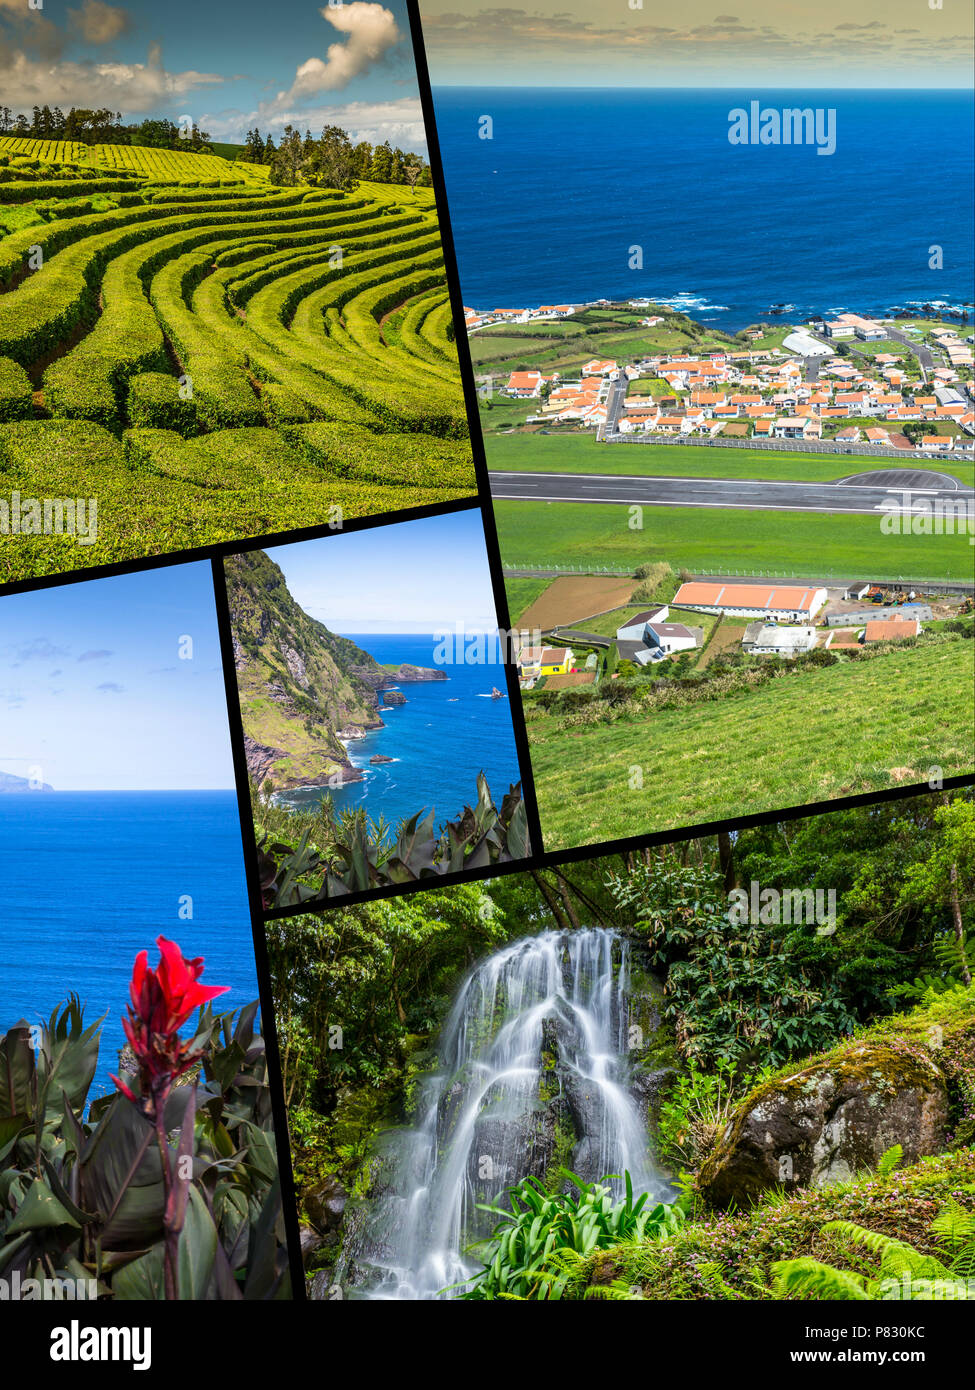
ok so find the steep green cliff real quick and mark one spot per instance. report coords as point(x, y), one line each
point(301, 686)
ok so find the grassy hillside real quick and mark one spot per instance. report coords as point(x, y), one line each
point(809, 735)
point(159, 302)
point(805, 544)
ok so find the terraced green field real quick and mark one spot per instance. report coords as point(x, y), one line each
point(212, 358)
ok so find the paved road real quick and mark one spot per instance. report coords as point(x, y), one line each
point(614, 402)
point(847, 496)
point(922, 353)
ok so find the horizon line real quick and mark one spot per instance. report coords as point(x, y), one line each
point(675, 87)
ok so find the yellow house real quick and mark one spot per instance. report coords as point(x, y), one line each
point(556, 661)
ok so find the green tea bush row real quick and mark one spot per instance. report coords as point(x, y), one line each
point(16, 391)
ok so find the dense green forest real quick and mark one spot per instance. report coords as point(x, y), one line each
point(869, 998)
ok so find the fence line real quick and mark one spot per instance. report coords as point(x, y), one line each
point(532, 570)
point(799, 446)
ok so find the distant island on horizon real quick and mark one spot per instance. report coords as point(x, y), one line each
point(13, 785)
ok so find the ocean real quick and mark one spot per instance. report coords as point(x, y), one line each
point(446, 733)
point(92, 878)
point(547, 210)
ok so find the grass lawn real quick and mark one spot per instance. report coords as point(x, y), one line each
point(521, 594)
point(577, 452)
point(504, 412)
point(606, 624)
point(822, 733)
point(705, 540)
point(486, 348)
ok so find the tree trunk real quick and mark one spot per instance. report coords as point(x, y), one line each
point(966, 974)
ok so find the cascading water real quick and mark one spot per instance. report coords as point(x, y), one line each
point(538, 1032)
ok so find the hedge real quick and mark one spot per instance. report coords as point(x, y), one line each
point(155, 402)
point(16, 391)
point(420, 460)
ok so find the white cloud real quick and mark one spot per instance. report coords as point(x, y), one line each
point(125, 87)
point(371, 32)
point(98, 22)
point(399, 121)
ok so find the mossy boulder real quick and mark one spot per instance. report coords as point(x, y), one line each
point(906, 1080)
point(829, 1121)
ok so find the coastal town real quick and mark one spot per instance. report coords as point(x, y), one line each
point(843, 384)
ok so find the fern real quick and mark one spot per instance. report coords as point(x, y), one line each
point(889, 1161)
point(808, 1278)
point(617, 1289)
point(904, 1273)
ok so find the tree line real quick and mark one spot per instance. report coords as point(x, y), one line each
point(333, 161)
point(102, 127)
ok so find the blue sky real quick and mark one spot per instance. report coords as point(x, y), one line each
point(227, 65)
point(413, 576)
point(94, 692)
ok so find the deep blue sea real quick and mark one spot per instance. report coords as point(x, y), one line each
point(446, 733)
point(546, 211)
point(92, 878)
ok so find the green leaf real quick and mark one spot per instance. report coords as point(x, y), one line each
point(40, 1209)
point(197, 1249)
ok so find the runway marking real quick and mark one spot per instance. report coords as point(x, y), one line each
point(732, 482)
point(659, 502)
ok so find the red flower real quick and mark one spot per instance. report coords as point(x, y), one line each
point(162, 1001)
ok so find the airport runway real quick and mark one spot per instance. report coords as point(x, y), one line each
point(880, 494)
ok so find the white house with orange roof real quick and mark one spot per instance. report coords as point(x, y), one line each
point(524, 384)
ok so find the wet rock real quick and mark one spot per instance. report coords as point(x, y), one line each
point(830, 1120)
point(323, 1288)
point(325, 1206)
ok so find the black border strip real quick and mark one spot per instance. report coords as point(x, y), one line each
point(279, 1109)
point(473, 415)
point(220, 548)
point(604, 848)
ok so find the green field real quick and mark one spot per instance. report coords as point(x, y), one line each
point(809, 736)
point(578, 452)
point(562, 535)
point(211, 357)
point(567, 343)
point(522, 593)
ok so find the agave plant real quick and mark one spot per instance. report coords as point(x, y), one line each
point(358, 858)
point(168, 1187)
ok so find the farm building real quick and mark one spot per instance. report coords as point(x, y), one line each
point(857, 590)
point(765, 639)
point(891, 629)
point(653, 631)
point(784, 602)
point(855, 619)
point(635, 627)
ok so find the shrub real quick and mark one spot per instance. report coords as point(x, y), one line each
point(16, 391)
point(154, 402)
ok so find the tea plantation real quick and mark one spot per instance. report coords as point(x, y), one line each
point(211, 357)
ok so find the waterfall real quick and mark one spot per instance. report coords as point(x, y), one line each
point(532, 1073)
